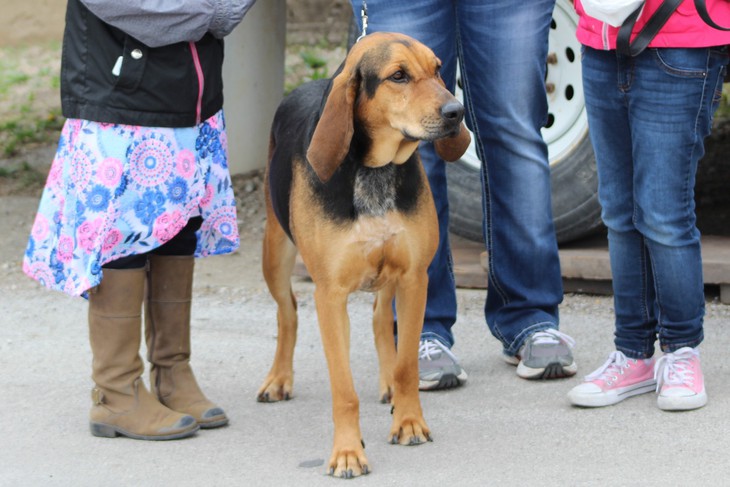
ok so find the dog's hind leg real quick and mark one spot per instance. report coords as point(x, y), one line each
point(409, 427)
point(279, 256)
point(383, 332)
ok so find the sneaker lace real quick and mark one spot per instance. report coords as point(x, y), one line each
point(552, 336)
point(615, 364)
point(675, 368)
point(427, 348)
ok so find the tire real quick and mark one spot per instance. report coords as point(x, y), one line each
point(576, 210)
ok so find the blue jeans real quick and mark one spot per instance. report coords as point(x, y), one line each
point(648, 117)
point(501, 47)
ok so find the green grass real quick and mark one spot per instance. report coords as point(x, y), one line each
point(9, 79)
point(316, 63)
point(307, 62)
point(23, 176)
point(30, 110)
point(19, 131)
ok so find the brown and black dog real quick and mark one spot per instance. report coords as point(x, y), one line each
point(345, 186)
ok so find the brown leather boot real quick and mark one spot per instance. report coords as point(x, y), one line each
point(122, 404)
point(167, 330)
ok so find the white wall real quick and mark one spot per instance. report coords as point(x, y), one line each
point(253, 83)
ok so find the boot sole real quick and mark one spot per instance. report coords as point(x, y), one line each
point(109, 431)
point(213, 424)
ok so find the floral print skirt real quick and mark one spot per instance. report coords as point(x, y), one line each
point(118, 190)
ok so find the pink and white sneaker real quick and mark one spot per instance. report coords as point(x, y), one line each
point(680, 383)
point(617, 379)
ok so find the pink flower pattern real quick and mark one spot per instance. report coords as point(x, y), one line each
point(110, 172)
point(55, 175)
point(168, 225)
point(111, 240)
point(151, 160)
point(131, 172)
point(81, 163)
point(185, 163)
point(87, 234)
point(40, 227)
point(39, 271)
point(65, 249)
point(208, 196)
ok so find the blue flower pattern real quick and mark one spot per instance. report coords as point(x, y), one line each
point(177, 190)
point(150, 206)
point(98, 199)
point(167, 176)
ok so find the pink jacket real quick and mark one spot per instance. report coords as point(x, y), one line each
point(684, 28)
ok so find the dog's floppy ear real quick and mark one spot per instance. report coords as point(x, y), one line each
point(333, 134)
point(452, 148)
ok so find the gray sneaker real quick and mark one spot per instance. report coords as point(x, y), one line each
point(438, 367)
point(545, 355)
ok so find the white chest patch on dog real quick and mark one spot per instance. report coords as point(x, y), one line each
point(374, 192)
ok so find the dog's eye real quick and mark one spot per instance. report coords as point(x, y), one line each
point(399, 77)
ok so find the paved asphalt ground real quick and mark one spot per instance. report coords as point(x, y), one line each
point(497, 430)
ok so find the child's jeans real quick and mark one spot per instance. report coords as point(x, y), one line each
point(648, 118)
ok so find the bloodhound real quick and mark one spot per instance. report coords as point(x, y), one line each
point(346, 188)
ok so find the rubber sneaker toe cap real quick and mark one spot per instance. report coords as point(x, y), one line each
point(681, 399)
point(589, 394)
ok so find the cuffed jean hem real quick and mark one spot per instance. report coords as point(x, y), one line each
point(673, 347)
point(633, 354)
point(429, 335)
point(648, 352)
point(514, 347)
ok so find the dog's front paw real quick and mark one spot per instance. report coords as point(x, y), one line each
point(409, 430)
point(275, 388)
point(386, 394)
point(348, 463)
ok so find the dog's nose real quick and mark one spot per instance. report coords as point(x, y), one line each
point(452, 112)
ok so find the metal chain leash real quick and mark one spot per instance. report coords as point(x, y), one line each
point(364, 17)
